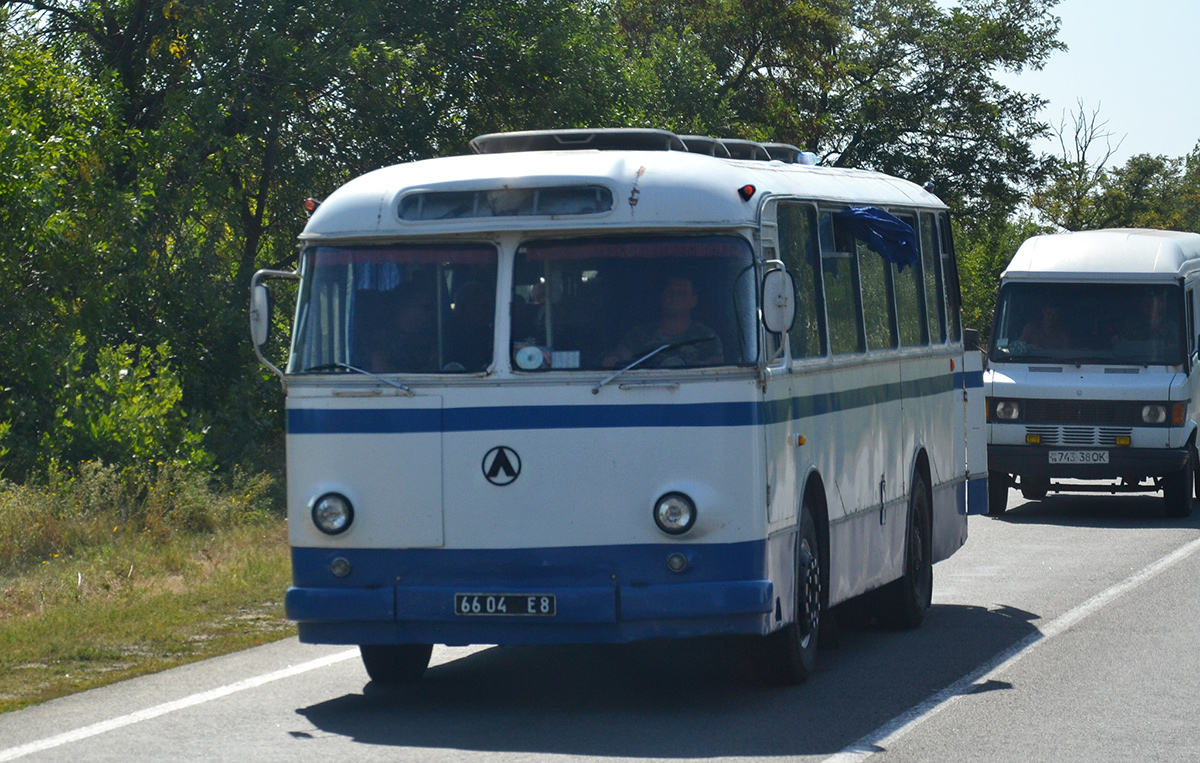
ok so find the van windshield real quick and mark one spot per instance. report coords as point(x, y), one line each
point(1118, 324)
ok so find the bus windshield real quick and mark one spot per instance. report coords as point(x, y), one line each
point(396, 309)
point(577, 304)
point(1119, 324)
point(607, 303)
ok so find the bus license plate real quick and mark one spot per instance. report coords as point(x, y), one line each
point(505, 604)
point(1079, 456)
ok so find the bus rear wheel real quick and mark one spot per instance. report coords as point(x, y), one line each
point(908, 599)
point(395, 664)
point(789, 655)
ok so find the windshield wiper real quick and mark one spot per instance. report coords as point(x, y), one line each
point(647, 356)
point(347, 367)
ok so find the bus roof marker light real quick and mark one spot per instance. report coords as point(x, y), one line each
point(747, 192)
point(310, 205)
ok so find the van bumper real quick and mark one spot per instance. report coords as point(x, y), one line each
point(1034, 461)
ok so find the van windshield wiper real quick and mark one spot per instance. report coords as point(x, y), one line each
point(347, 367)
point(647, 356)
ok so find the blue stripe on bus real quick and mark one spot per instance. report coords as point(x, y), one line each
point(496, 418)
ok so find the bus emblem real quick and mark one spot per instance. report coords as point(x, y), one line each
point(501, 466)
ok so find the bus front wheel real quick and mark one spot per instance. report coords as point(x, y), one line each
point(395, 664)
point(790, 653)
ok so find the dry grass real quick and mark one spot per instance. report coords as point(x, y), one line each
point(99, 584)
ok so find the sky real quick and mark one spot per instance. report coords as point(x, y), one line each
point(1136, 63)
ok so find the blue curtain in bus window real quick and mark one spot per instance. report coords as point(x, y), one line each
point(884, 233)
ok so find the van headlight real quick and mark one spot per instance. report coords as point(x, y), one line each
point(1154, 414)
point(332, 513)
point(1006, 410)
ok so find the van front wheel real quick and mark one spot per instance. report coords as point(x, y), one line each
point(1177, 487)
point(997, 493)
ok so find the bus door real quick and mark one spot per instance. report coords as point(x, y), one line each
point(974, 429)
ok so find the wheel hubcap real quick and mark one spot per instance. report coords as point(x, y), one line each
point(810, 601)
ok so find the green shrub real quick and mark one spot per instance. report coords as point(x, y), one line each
point(122, 407)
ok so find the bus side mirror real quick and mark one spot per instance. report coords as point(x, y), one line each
point(260, 315)
point(970, 339)
point(778, 301)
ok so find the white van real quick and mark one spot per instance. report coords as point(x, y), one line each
point(1093, 368)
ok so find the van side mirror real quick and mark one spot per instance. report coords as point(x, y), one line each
point(260, 315)
point(778, 301)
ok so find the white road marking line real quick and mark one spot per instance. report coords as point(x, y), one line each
point(889, 733)
point(102, 727)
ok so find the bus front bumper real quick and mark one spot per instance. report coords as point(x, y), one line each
point(427, 614)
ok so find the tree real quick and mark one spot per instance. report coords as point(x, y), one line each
point(210, 127)
point(902, 86)
point(1066, 196)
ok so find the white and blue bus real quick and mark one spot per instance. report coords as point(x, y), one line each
point(613, 385)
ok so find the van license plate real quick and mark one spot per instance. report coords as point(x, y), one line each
point(502, 604)
point(1079, 456)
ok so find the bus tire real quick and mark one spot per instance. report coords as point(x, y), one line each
point(1177, 487)
point(997, 494)
point(908, 599)
point(789, 655)
point(395, 664)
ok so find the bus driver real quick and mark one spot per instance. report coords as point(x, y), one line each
point(692, 343)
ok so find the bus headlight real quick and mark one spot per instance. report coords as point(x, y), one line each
point(1007, 410)
point(1154, 414)
point(332, 514)
point(674, 513)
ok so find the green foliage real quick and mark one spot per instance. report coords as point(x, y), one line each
point(983, 254)
point(1146, 192)
point(156, 153)
point(124, 411)
point(904, 86)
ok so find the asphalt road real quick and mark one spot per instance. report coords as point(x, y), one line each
point(1065, 630)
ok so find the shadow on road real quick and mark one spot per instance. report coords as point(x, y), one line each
point(689, 699)
point(1098, 510)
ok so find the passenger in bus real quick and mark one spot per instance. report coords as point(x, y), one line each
point(691, 343)
point(407, 335)
point(1046, 332)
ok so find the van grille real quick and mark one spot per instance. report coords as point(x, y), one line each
point(1095, 412)
point(1079, 437)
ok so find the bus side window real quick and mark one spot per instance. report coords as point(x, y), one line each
point(799, 251)
point(878, 304)
point(839, 277)
point(950, 278)
point(910, 299)
point(931, 275)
